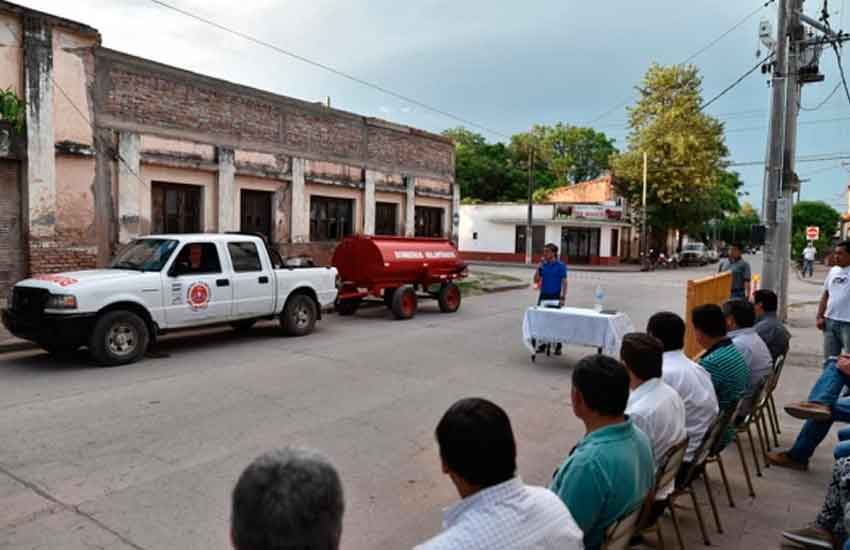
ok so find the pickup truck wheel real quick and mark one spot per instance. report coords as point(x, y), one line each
point(243, 326)
point(347, 307)
point(449, 298)
point(299, 316)
point(119, 337)
point(404, 302)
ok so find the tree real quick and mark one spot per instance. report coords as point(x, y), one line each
point(687, 184)
point(484, 171)
point(736, 227)
point(565, 154)
point(812, 213)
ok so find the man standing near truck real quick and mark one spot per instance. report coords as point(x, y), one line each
point(551, 278)
point(741, 272)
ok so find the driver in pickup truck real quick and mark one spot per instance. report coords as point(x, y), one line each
point(551, 277)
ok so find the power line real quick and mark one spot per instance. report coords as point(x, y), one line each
point(740, 79)
point(815, 158)
point(328, 68)
point(822, 103)
point(841, 70)
point(689, 58)
point(804, 123)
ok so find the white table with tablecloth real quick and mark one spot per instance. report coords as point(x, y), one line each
point(576, 326)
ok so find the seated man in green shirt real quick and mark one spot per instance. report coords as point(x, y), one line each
point(611, 470)
point(727, 367)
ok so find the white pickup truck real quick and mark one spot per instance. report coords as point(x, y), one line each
point(162, 283)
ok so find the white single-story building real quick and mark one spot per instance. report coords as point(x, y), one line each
point(587, 221)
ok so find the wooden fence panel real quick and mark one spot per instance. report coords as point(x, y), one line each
point(708, 290)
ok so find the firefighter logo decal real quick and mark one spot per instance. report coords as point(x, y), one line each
point(198, 296)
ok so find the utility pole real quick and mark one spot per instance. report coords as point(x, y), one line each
point(789, 182)
point(781, 153)
point(643, 249)
point(529, 232)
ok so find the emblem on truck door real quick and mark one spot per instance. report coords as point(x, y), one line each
point(198, 296)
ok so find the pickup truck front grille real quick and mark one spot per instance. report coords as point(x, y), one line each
point(28, 302)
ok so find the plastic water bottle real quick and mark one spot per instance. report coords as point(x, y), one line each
point(599, 295)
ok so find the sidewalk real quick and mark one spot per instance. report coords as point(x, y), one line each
point(818, 275)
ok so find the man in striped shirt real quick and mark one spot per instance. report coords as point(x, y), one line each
point(729, 372)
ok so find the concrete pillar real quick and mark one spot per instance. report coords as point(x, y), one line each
point(410, 207)
point(300, 207)
point(40, 189)
point(129, 186)
point(228, 218)
point(280, 212)
point(369, 203)
point(455, 214)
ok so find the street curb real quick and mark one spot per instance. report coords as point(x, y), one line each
point(802, 280)
point(14, 347)
point(505, 288)
point(578, 268)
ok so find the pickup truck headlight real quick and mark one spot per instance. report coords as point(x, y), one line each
point(61, 301)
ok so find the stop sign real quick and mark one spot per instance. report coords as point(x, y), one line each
point(812, 233)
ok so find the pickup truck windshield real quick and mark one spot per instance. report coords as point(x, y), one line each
point(693, 247)
point(145, 255)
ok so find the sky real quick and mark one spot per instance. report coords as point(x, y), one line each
point(501, 64)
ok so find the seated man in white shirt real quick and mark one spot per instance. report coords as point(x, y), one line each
point(690, 380)
point(653, 406)
point(497, 511)
point(740, 324)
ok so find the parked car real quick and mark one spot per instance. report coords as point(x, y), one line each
point(162, 283)
point(694, 254)
point(713, 255)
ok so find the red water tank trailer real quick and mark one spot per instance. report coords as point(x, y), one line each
point(398, 270)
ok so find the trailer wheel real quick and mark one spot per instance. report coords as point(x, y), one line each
point(119, 337)
point(347, 307)
point(388, 297)
point(449, 298)
point(299, 315)
point(404, 302)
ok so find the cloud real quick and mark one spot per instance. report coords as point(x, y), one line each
point(505, 65)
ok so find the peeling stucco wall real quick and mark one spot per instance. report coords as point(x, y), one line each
point(11, 54)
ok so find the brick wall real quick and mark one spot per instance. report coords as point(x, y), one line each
point(55, 256)
point(137, 91)
point(12, 258)
point(410, 152)
point(322, 253)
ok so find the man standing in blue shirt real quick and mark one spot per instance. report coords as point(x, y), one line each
point(551, 277)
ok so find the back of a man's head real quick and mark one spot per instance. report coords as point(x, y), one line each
point(709, 320)
point(643, 355)
point(603, 384)
point(741, 311)
point(767, 299)
point(477, 442)
point(289, 499)
point(669, 328)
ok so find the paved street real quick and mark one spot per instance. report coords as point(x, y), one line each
point(144, 456)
